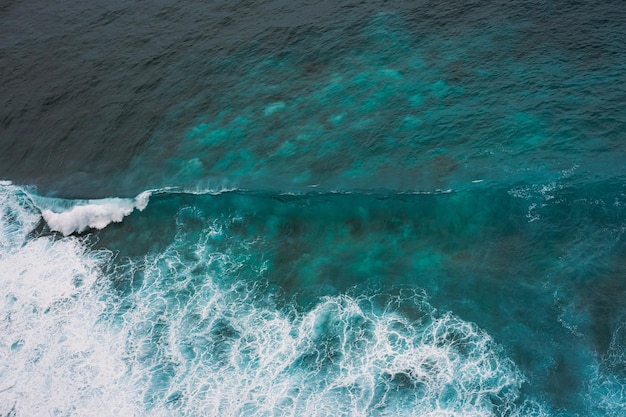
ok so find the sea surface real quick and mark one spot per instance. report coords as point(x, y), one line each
point(313, 208)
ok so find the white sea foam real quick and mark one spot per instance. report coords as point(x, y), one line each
point(16, 219)
point(227, 351)
point(57, 356)
point(79, 215)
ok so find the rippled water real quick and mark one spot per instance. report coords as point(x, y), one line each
point(268, 209)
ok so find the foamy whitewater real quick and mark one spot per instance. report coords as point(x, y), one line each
point(77, 216)
point(191, 339)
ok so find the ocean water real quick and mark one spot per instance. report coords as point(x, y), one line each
point(313, 208)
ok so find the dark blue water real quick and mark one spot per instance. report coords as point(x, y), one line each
point(313, 209)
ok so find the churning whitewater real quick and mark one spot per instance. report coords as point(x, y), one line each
point(190, 338)
point(180, 330)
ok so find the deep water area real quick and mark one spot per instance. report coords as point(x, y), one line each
point(313, 208)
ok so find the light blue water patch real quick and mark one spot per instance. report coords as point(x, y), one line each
point(416, 99)
point(273, 108)
point(337, 119)
point(439, 89)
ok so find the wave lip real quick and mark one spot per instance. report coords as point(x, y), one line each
point(69, 217)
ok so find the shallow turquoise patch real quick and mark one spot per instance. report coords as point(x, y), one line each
point(273, 108)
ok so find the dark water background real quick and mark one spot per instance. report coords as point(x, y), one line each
point(347, 178)
point(95, 94)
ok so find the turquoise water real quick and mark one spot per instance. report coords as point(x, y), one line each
point(321, 210)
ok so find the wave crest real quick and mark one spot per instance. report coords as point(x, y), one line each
point(76, 216)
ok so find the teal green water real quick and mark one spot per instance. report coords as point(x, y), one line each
point(383, 210)
point(544, 281)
